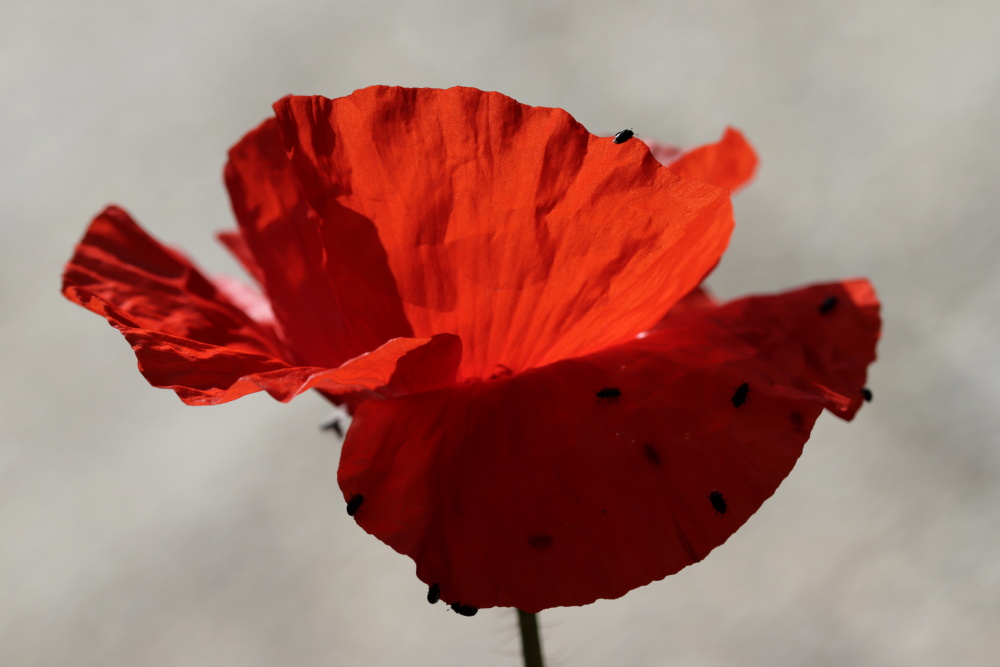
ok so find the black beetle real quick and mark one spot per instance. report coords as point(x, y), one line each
point(623, 136)
point(354, 504)
point(464, 609)
point(740, 397)
point(433, 593)
point(718, 502)
point(829, 303)
point(610, 393)
point(866, 394)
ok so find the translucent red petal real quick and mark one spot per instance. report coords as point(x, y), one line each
point(508, 225)
point(332, 293)
point(729, 163)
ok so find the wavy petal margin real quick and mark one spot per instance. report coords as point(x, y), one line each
point(729, 163)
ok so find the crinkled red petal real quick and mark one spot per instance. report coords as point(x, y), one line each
point(207, 375)
point(332, 293)
point(592, 476)
point(156, 288)
point(188, 336)
point(729, 163)
point(508, 225)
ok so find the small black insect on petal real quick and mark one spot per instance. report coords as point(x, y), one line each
point(798, 421)
point(540, 541)
point(433, 593)
point(829, 303)
point(652, 455)
point(501, 372)
point(623, 136)
point(612, 394)
point(334, 425)
point(463, 609)
point(354, 504)
point(740, 396)
point(866, 394)
point(718, 502)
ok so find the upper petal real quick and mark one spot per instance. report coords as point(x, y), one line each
point(728, 163)
point(589, 477)
point(190, 337)
point(332, 293)
point(508, 225)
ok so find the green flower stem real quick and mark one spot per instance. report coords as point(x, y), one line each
point(531, 641)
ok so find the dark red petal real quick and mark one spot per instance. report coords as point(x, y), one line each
point(696, 299)
point(593, 476)
point(826, 347)
point(508, 225)
point(189, 337)
point(332, 294)
point(728, 163)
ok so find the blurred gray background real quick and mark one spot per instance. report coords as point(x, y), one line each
point(138, 531)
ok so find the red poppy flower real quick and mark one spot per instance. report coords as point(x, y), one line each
point(563, 414)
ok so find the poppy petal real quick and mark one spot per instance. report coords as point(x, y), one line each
point(729, 163)
point(696, 299)
point(208, 375)
point(826, 336)
point(508, 225)
point(333, 296)
point(606, 472)
point(190, 337)
point(152, 287)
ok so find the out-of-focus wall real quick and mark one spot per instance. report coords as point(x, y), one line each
point(137, 531)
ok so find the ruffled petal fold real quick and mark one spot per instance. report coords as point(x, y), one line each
point(510, 226)
point(189, 336)
point(208, 375)
point(729, 163)
point(592, 476)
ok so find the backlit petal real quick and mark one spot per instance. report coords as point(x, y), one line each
point(589, 477)
point(153, 287)
point(508, 225)
point(729, 163)
point(190, 337)
point(332, 292)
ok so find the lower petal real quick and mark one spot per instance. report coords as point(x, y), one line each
point(592, 476)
